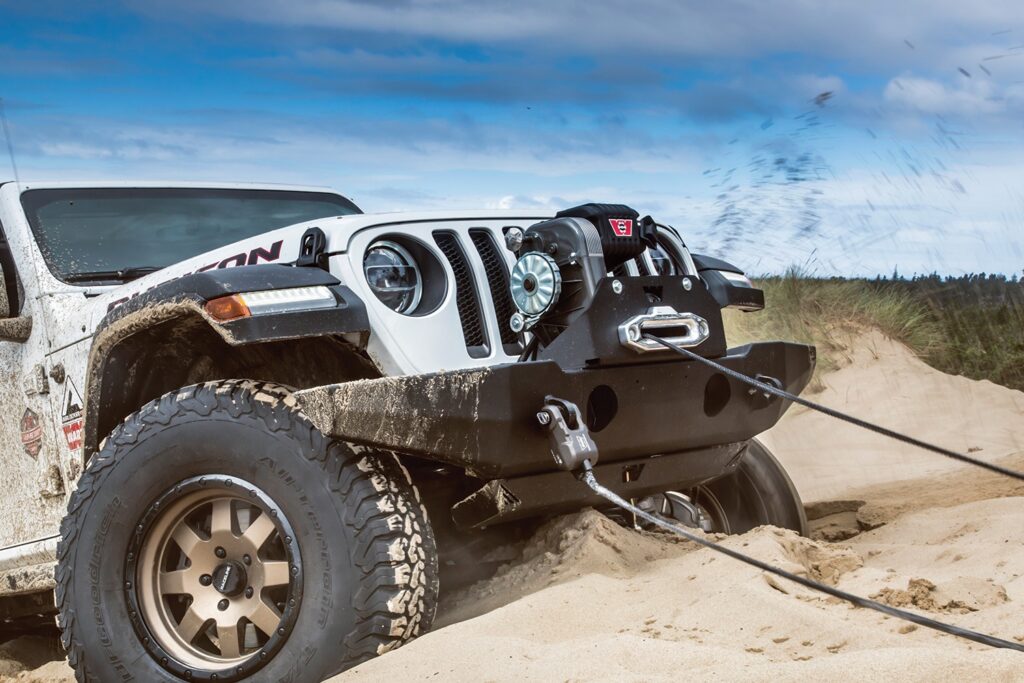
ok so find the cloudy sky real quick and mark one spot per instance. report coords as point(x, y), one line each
point(841, 137)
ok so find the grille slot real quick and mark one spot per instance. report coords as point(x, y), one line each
point(466, 299)
point(497, 281)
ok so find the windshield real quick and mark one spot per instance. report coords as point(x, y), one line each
point(119, 234)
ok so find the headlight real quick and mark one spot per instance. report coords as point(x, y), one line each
point(393, 276)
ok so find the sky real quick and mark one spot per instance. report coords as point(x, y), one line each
point(840, 137)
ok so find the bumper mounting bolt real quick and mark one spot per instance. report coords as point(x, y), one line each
point(617, 286)
point(687, 285)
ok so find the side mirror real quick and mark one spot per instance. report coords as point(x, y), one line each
point(18, 328)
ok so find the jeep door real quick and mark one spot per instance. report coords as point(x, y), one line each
point(32, 491)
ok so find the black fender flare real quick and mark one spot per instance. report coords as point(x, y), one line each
point(185, 299)
point(726, 293)
point(705, 262)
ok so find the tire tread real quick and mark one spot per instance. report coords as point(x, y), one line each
point(394, 546)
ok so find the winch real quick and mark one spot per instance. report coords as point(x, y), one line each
point(562, 260)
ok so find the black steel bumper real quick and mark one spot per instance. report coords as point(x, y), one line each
point(484, 421)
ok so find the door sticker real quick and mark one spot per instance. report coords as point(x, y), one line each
point(31, 433)
point(71, 416)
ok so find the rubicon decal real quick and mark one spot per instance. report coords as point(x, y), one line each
point(622, 227)
point(31, 433)
point(71, 417)
point(250, 258)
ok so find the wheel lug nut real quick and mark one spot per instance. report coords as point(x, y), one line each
point(205, 580)
point(246, 559)
point(220, 552)
point(222, 605)
point(248, 592)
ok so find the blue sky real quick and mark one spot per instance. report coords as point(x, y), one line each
point(711, 116)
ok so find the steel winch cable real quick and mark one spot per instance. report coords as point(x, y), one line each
point(781, 393)
point(588, 478)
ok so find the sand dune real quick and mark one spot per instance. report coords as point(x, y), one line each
point(705, 616)
point(884, 382)
point(591, 601)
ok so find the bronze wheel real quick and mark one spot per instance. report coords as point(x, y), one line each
point(219, 537)
point(216, 576)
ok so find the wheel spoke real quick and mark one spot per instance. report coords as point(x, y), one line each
point(198, 531)
point(221, 521)
point(275, 574)
point(186, 538)
point(227, 640)
point(265, 617)
point(177, 582)
point(190, 624)
point(259, 531)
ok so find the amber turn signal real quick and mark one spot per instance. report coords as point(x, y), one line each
point(227, 308)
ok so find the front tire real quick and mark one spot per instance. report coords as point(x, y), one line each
point(756, 493)
point(219, 536)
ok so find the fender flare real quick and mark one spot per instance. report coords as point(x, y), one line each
point(185, 298)
point(705, 262)
point(726, 293)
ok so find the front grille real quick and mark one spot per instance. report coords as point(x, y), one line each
point(466, 299)
point(497, 280)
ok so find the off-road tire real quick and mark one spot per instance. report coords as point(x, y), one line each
point(368, 553)
point(756, 493)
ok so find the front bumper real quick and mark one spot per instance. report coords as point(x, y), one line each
point(484, 421)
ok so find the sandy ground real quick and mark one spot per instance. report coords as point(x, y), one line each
point(589, 600)
point(885, 383)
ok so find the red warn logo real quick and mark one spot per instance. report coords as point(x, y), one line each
point(622, 227)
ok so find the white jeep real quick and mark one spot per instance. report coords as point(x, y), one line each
point(272, 425)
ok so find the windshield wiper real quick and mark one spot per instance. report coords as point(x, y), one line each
point(122, 275)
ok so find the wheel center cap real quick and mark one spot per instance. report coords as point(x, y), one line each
point(229, 578)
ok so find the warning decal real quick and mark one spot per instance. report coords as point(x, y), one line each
point(31, 433)
point(71, 416)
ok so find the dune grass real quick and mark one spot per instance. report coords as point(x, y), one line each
point(971, 325)
point(826, 312)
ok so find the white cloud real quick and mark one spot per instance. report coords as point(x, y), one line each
point(964, 98)
point(869, 30)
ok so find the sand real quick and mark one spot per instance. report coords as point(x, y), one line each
point(33, 659)
point(883, 382)
point(588, 600)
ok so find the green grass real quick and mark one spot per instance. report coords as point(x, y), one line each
point(972, 325)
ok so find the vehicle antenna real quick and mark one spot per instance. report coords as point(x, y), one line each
point(7, 137)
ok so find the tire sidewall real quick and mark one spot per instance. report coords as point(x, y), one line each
point(759, 492)
point(286, 464)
